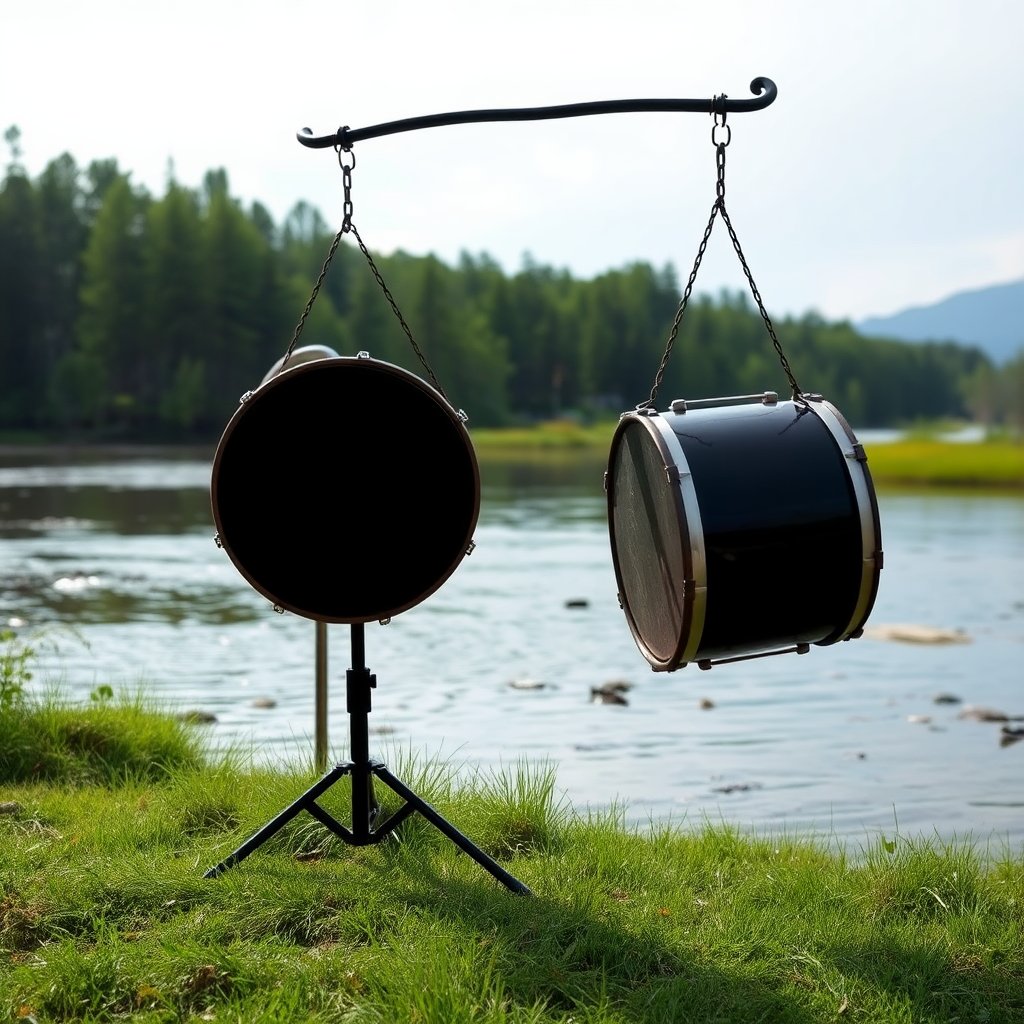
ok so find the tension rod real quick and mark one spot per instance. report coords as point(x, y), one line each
point(764, 90)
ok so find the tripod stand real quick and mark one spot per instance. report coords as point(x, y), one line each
point(365, 809)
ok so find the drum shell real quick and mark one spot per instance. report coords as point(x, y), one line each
point(779, 534)
point(345, 490)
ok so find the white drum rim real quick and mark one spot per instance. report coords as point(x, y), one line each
point(855, 461)
point(694, 596)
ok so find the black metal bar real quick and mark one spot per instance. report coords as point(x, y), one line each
point(447, 828)
point(276, 824)
point(764, 90)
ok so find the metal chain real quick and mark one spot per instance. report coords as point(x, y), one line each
point(347, 226)
point(312, 299)
point(719, 207)
point(649, 404)
point(398, 313)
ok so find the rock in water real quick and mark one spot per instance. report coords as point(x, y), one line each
point(909, 633)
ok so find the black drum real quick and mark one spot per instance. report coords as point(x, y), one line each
point(741, 527)
point(345, 489)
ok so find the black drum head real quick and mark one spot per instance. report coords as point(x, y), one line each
point(346, 490)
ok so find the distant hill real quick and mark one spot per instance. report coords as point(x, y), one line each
point(991, 318)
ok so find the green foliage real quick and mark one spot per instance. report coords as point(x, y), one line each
point(128, 316)
point(15, 657)
point(107, 742)
point(104, 914)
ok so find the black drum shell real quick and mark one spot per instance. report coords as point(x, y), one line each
point(780, 544)
point(345, 490)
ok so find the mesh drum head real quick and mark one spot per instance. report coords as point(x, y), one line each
point(647, 526)
point(346, 490)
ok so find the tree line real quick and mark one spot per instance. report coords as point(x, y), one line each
point(129, 316)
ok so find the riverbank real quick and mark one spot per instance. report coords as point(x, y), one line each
point(916, 461)
point(104, 913)
point(936, 463)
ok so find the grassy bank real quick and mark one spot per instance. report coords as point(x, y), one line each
point(919, 461)
point(945, 464)
point(554, 435)
point(104, 914)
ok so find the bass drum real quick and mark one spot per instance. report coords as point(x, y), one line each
point(741, 527)
point(345, 489)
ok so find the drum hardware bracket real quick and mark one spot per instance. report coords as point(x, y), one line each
point(471, 548)
point(680, 405)
point(217, 540)
point(706, 664)
point(365, 809)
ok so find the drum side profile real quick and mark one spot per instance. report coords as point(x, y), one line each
point(345, 490)
point(741, 527)
point(781, 526)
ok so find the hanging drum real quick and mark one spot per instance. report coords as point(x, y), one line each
point(345, 489)
point(741, 527)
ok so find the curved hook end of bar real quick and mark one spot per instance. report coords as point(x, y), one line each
point(767, 87)
point(311, 141)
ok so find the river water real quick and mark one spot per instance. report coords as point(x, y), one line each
point(845, 741)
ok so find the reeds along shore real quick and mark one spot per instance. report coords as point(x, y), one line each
point(110, 813)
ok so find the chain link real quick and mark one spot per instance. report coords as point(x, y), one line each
point(398, 313)
point(719, 207)
point(347, 226)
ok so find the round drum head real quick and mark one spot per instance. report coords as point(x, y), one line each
point(647, 530)
point(346, 490)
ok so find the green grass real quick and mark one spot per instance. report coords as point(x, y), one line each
point(552, 436)
point(946, 464)
point(103, 743)
point(104, 915)
point(920, 460)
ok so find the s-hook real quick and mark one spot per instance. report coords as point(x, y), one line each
point(764, 90)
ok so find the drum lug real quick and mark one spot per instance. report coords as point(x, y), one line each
point(706, 664)
point(384, 622)
point(471, 548)
point(363, 355)
point(217, 540)
point(859, 454)
point(245, 398)
point(278, 609)
point(618, 597)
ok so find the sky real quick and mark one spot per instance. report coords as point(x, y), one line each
point(886, 174)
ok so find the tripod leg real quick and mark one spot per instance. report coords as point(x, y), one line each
point(447, 828)
point(275, 825)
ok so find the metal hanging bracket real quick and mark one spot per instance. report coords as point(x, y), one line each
point(764, 91)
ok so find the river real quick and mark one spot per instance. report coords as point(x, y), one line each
point(846, 741)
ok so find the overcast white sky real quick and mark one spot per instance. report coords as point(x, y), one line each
point(887, 173)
